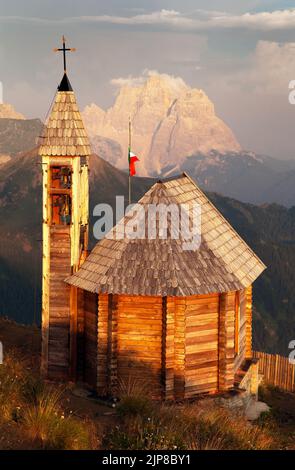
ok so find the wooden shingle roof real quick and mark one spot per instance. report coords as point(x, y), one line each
point(64, 132)
point(223, 262)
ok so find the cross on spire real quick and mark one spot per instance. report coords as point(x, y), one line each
point(64, 49)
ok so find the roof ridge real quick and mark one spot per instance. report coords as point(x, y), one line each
point(171, 178)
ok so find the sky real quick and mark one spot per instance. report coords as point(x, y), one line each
point(241, 53)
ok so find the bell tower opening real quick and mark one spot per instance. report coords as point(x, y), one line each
point(60, 194)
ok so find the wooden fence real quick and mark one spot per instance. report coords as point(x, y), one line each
point(276, 370)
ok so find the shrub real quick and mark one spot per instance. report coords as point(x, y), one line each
point(134, 398)
point(220, 427)
point(12, 378)
point(47, 427)
point(141, 433)
point(71, 434)
point(33, 389)
point(187, 427)
point(132, 406)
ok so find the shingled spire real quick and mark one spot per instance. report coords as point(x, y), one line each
point(64, 133)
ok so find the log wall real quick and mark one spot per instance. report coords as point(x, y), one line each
point(102, 344)
point(80, 334)
point(168, 347)
point(59, 303)
point(90, 338)
point(249, 298)
point(241, 315)
point(226, 340)
point(179, 346)
point(139, 341)
point(201, 343)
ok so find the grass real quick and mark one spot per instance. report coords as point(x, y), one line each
point(281, 418)
point(35, 410)
point(229, 431)
point(12, 378)
point(36, 415)
point(196, 426)
point(134, 398)
point(48, 428)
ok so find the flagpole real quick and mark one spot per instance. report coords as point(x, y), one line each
point(129, 150)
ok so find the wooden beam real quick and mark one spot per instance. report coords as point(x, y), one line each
point(179, 349)
point(226, 351)
point(249, 352)
point(80, 334)
point(102, 344)
point(73, 332)
point(112, 348)
point(168, 348)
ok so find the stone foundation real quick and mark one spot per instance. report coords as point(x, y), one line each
point(245, 392)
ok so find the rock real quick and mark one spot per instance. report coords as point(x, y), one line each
point(80, 392)
point(255, 409)
point(7, 111)
point(170, 121)
point(4, 159)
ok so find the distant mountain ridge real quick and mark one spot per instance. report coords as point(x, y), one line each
point(242, 175)
point(18, 136)
point(248, 177)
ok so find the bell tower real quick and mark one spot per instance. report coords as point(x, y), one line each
point(65, 152)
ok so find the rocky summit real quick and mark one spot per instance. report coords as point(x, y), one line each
point(7, 111)
point(170, 121)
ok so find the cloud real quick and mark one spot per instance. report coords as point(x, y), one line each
point(263, 21)
point(267, 70)
point(162, 17)
point(177, 84)
point(272, 66)
point(197, 21)
point(128, 81)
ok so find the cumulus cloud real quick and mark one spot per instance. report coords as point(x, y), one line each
point(274, 65)
point(267, 70)
point(199, 20)
point(128, 81)
point(175, 83)
point(270, 68)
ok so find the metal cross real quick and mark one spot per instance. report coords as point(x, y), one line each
point(64, 49)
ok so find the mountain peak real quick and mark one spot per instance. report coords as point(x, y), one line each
point(175, 85)
point(170, 121)
point(7, 111)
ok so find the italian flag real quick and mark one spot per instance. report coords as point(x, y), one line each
point(132, 158)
